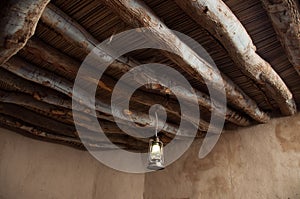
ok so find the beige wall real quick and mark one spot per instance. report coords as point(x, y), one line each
point(257, 162)
point(31, 169)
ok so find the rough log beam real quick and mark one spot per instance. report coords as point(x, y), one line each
point(285, 17)
point(30, 130)
point(37, 120)
point(219, 20)
point(40, 76)
point(17, 24)
point(77, 35)
point(137, 14)
point(52, 97)
point(64, 65)
point(58, 128)
point(55, 113)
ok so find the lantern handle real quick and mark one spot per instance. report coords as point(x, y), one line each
point(156, 128)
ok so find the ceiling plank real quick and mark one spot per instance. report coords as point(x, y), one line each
point(17, 24)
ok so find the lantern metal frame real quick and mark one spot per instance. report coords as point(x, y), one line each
point(156, 155)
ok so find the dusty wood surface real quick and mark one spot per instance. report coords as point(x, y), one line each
point(137, 14)
point(17, 24)
point(285, 17)
point(35, 74)
point(65, 65)
point(219, 20)
point(77, 35)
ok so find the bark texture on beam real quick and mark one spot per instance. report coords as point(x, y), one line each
point(35, 74)
point(32, 131)
point(137, 14)
point(285, 17)
point(58, 128)
point(218, 19)
point(59, 114)
point(77, 35)
point(37, 120)
point(66, 66)
point(17, 24)
point(51, 97)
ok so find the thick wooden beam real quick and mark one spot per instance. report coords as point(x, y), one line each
point(58, 128)
point(68, 67)
point(37, 120)
point(35, 132)
point(17, 24)
point(285, 17)
point(55, 112)
point(59, 114)
point(48, 79)
point(52, 97)
point(219, 20)
point(137, 14)
point(77, 35)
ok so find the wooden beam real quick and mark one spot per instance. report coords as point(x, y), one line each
point(52, 97)
point(219, 20)
point(137, 14)
point(55, 112)
point(68, 67)
point(285, 17)
point(32, 131)
point(59, 114)
point(17, 24)
point(77, 35)
point(48, 79)
point(37, 120)
point(57, 128)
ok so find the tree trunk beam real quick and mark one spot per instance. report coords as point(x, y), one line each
point(57, 128)
point(48, 79)
point(18, 21)
point(37, 120)
point(64, 65)
point(55, 113)
point(285, 17)
point(49, 110)
point(51, 97)
point(30, 130)
point(137, 14)
point(219, 20)
point(78, 36)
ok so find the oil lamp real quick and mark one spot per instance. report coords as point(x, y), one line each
point(156, 155)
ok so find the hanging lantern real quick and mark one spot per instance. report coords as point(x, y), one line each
point(156, 156)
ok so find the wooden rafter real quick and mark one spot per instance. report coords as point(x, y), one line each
point(35, 132)
point(67, 66)
point(77, 35)
point(285, 17)
point(137, 14)
point(17, 24)
point(40, 76)
point(219, 20)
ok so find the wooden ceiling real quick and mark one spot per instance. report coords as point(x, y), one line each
point(254, 43)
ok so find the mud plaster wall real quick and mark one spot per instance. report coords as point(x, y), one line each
point(255, 163)
point(31, 169)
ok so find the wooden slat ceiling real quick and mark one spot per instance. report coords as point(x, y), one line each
point(102, 23)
